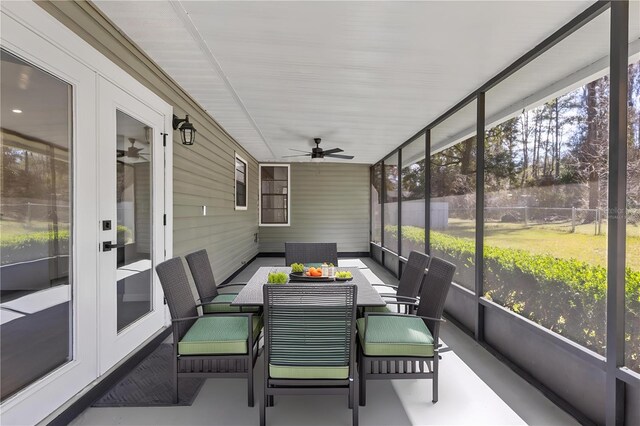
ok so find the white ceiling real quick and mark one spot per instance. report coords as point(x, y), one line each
point(364, 76)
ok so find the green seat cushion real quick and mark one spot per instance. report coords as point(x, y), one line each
point(307, 372)
point(227, 298)
point(218, 335)
point(395, 336)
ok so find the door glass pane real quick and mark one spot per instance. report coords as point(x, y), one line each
point(134, 202)
point(35, 224)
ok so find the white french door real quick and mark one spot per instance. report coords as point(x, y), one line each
point(48, 329)
point(83, 164)
point(131, 208)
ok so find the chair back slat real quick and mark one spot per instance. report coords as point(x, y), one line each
point(434, 291)
point(413, 274)
point(310, 253)
point(309, 325)
point(177, 291)
point(202, 274)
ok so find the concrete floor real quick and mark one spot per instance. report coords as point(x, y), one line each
point(475, 388)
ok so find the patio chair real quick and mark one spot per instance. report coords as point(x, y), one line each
point(309, 344)
point(399, 346)
point(207, 346)
point(310, 253)
point(410, 283)
point(208, 290)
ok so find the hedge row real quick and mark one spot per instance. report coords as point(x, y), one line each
point(580, 276)
point(566, 296)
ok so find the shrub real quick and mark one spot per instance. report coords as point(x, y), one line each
point(567, 296)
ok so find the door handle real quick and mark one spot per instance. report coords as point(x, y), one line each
point(108, 245)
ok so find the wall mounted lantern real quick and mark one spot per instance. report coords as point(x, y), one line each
point(187, 131)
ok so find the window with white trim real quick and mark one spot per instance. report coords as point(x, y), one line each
point(274, 195)
point(241, 173)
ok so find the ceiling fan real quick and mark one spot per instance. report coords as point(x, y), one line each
point(318, 152)
point(132, 151)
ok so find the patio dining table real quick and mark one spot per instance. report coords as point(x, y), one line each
point(251, 294)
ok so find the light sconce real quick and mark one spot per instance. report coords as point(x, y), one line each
point(187, 131)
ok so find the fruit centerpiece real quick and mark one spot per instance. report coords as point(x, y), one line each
point(314, 272)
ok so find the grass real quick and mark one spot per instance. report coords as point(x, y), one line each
point(543, 239)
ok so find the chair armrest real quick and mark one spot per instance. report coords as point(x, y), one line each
point(395, 296)
point(384, 285)
point(184, 319)
point(391, 314)
point(231, 285)
point(211, 303)
point(432, 319)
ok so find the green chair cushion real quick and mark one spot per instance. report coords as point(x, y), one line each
point(307, 372)
point(227, 298)
point(218, 335)
point(395, 336)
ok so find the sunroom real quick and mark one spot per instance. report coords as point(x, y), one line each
point(150, 147)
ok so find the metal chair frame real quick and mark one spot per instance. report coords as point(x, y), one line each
point(279, 386)
point(438, 277)
point(184, 313)
point(203, 278)
point(310, 253)
point(411, 282)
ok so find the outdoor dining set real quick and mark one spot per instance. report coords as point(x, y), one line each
point(325, 337)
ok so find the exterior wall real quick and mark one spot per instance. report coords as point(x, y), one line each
point(329, 203)
point(203, 174)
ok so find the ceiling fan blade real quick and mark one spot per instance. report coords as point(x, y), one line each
point(299, 150)
point(346, 157)
point(332, 151)
point(299, 155)
point(120, 153)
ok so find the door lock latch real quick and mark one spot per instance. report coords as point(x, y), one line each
point(108, 245)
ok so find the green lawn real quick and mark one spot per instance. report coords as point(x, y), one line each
point(545, 239)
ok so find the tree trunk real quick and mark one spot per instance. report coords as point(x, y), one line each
point(590, 151)
point(557, 142)
point(525, 148)
point(465, 161)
